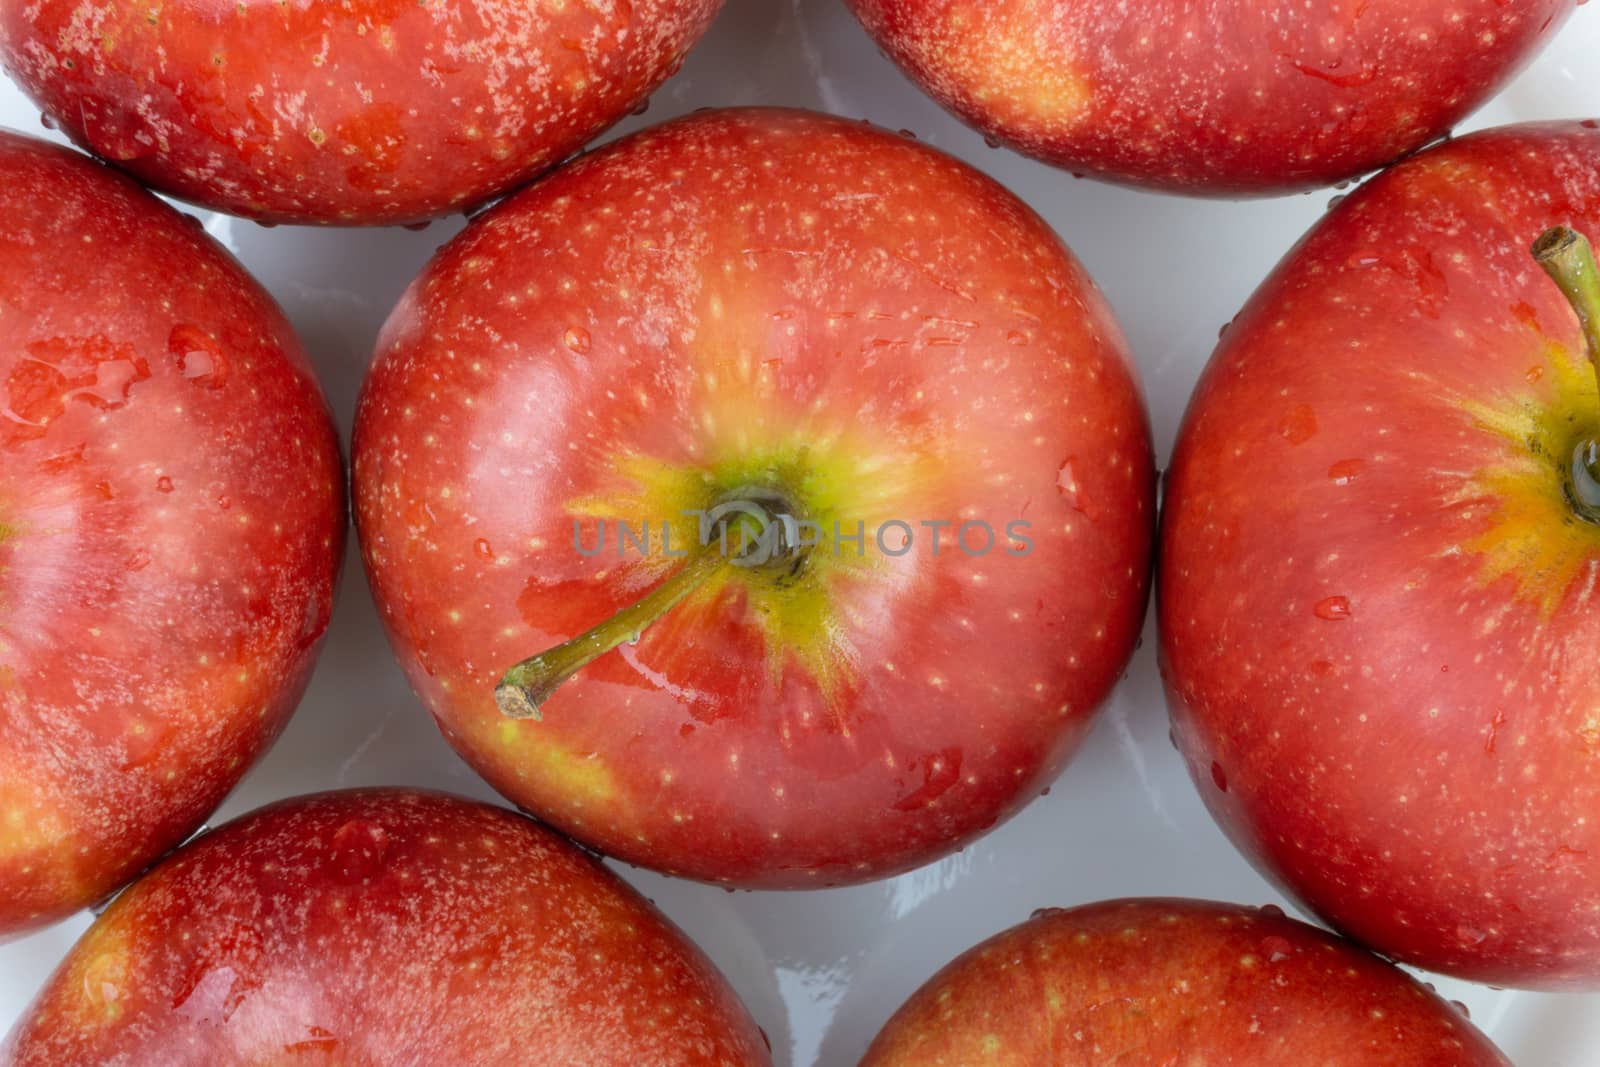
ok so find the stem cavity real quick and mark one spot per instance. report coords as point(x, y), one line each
point(1568, 257)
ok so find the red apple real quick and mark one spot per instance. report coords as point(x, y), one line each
point(1377, 589)
point(804, 319)
point(171, 524)
point(385, 927)
point(1159, 983)
point(360, 111)
point(1222, 97)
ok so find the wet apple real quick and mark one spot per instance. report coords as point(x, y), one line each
point(356, 112)
point(1175, 982)
point(788, 479)
point(1222, 98)
point(384, 927)
point(1381, 540)
point(171, 525)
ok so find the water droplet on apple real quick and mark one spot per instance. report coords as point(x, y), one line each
point(1346, 471)
point(1276, 949)
point(1299, 425)
point(163, 484)
point(1417, 267)
point(48, 121)
point(199, 356)
point(482, 549)
point(318, 1043)
point(197, 364)
point(1466, 1012)
point(113, 383)
point(103, 979)
point(91, 370)
point(1333, 608)
point(225, 971)
point(1219, 777)
point(991, 142)
point(418, 227)
point(1047, 913)
point(1271, 911)
point(577, 339)
point(1070, 488)
point(1471, 936)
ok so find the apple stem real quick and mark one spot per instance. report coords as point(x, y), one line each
point(1568, 257)
point(524, 688)
point(530, 683)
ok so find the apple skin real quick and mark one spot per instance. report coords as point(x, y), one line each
point(171, 526)
point(761, 294)
point(1376, 602)
point(1217, 98)
point(1169, 982)
point(385, 927)
point(356, 112)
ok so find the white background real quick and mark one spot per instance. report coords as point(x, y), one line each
point(821, 971)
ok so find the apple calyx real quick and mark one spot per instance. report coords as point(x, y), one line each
point(1568, 257)
point(766, 537)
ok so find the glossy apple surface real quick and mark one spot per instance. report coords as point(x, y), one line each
point(1377, 598)
point(381, 927)
point(1216, 97)
point(352, 112)
point(816, 309)
point(171, 524)
point(1175, 982)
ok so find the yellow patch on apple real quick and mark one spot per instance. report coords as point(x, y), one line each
point(538, 758)
point(1535, 537)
